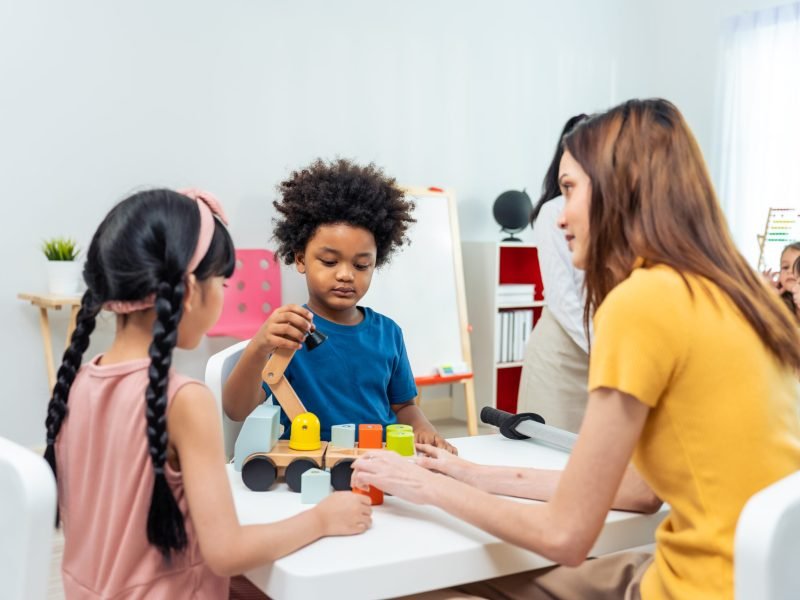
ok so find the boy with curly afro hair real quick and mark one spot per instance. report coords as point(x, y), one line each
point(338, 222)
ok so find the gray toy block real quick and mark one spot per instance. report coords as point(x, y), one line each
point(315, 485)
point(260, 432)
point(343, 436)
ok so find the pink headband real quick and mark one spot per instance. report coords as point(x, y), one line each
point(209, 207)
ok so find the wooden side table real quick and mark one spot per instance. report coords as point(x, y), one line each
point(46, 302)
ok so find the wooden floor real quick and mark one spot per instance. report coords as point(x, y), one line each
point(449, 428)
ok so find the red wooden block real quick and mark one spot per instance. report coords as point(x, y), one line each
point(370, 436)
point(375, 495)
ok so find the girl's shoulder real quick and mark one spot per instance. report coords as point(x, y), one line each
point(178, 381)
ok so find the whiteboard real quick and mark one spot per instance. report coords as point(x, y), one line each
point(422, 286)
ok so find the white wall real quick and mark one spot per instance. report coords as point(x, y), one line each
point(683, 42)
point(99, 98)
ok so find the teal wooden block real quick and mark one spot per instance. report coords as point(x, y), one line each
point(343, 436)
point(315, 484)
point(260, 432)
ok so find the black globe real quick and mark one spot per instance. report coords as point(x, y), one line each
point(512, 210)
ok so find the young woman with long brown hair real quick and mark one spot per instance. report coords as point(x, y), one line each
point(691, 376)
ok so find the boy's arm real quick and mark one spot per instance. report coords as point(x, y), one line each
point(401, 386)
point(409, 413)
point(286, 327)
point(242, 391)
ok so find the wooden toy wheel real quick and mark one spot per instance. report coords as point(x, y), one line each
point(295, 470)
point(259, 473)
point(341, 474)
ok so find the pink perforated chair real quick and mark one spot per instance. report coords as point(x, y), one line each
point(253, 292)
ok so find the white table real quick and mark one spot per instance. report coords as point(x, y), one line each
point(413, 548)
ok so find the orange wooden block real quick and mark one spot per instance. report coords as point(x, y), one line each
point(370, 436)
point(375, 495)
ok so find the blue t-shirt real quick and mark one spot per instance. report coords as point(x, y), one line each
point(354, 376)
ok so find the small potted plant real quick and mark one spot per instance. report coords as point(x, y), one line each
point(63, 270)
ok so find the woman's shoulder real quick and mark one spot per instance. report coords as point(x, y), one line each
point(547, 219)
point(650, 287)
point(552, 207)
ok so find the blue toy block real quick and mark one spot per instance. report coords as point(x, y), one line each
point(315, 484)
point(260, 433)
point(343, 436)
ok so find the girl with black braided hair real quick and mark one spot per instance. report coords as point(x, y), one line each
point(137, 448)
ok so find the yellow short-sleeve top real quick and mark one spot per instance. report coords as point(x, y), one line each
point(723, 422)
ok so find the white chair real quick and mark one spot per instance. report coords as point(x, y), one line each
point(218, 369)
point(767, 544)
point(27, 520)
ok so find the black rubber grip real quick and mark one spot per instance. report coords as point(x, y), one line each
point(493, 416)
point(508, 422)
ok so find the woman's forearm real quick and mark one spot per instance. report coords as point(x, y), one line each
point(520, 482)
point(537, 528)
point(540, 484)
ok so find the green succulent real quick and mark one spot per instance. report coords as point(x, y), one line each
point(60, 249)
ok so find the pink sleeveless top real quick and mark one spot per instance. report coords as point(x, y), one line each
point(105, 481)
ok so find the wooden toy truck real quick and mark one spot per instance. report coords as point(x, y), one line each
point(262, 457)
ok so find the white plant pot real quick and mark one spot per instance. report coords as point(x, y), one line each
point(64, 277)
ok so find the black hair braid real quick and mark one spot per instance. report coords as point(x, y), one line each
point(73, 355)
point(165, 526)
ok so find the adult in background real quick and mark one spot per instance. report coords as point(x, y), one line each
point(556, 364)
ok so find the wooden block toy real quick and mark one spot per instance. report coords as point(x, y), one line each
point(339, 461)
point(343, 436)
point(305, 432)
point(375, 495)
point(260, 470)
point(341, 473)
point(401, 442)
point(315, 484)
point(370, 436)
point(260, 432)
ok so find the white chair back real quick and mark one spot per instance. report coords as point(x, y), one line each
point(767, 544)
point(218, 369)
point(27, 520)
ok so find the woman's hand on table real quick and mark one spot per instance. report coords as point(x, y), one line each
point(396, 475)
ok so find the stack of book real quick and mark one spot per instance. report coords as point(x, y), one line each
point(515, 293)
point(513, 330)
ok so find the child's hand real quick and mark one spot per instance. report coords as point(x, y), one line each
point(286, 327)
point(771, 277)
point(429, 436)
point(441, 461)
point(345, 513)
point(796, 294)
